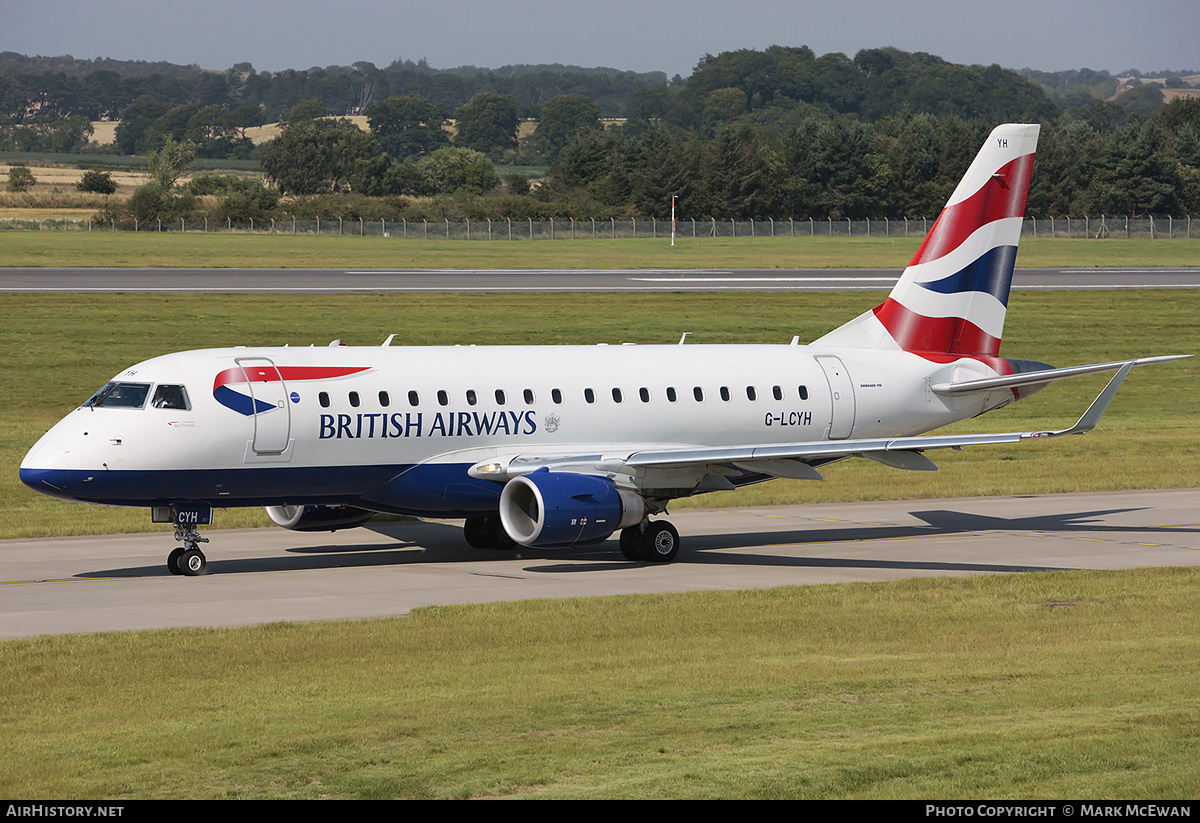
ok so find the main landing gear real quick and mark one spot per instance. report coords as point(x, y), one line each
point(487, 533)
point(187, 559)
point(655, 541)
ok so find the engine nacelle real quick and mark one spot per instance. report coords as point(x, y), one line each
point(548, 509)
point(318, 518)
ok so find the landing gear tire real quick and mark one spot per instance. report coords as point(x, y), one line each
point(660, 542)
point(631, 543)
point(475, 531)
point(487, 533)
point(192, 563)
point(173, 560)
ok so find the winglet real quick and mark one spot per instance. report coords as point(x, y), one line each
point(1095, 411)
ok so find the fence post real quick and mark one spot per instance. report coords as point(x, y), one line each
point(868, 227)
point(447, 219)
point(530, 228)
point(653, 228)
point(509, 219)
point(593, 228)
point(468, 222)
point(551, 228)
point(318, 227)
point(361, 227)
point(489, 228)
point(572, 228)
point(635, 228)
point(614, 227)
point(732, 228)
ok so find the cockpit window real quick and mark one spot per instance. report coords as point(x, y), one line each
point(120, 396)
point(170, 397)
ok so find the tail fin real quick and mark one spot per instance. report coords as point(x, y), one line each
point(952, 297)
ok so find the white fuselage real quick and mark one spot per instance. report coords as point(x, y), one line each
point(401, 427)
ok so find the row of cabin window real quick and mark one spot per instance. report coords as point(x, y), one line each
point(589, 396)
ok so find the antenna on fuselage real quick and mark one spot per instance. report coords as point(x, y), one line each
point(388, 342)
point(684, 337)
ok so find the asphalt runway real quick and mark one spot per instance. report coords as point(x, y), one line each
point(336, 281)
point(120, 582)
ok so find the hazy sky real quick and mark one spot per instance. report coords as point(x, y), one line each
point(638, 35)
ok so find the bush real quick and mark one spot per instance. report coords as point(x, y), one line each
point(20, 178)
point(98, 182)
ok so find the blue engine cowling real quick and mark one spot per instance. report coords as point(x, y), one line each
point(546, 509)
point(318, 518)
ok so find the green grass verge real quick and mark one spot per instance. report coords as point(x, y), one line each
point(60, 348)
point(173, 250)
point(1050, 685)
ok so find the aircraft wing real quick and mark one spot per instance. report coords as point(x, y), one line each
point(795, 459)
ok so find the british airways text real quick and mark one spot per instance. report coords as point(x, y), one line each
point(416, 424)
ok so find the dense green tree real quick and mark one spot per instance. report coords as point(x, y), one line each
point(564, 119)
point(136, 119)
point(450, 170)
point(409, 126)
point(487, 122)
point(318, 156)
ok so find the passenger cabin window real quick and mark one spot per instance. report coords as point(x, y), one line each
point(804, 392)
point(589, 395)
point(120, 396)
point(443, 398)
point(698, 393)
point(671, 396)
point(384, 399)
point(644, 393)
point(725, 393)
point(556, 396)
point(471, 398)
point(323, 399)
point(529, 397)
point(777, 392)
point(354, 399)
point(751, 393)
point(170, 397)
point(414, 399)
point(499, 397)
point(616, 395)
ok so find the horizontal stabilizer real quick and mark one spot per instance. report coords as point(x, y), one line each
point(1036, 378)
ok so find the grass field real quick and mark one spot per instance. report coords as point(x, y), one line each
point(1051, 685)
point(1062, 685)
point(174, 250)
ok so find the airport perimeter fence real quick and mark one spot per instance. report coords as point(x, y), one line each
point(1086, 226)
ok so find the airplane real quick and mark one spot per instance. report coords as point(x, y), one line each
point(560, 446)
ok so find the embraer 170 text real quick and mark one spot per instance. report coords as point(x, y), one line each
point(558, 446)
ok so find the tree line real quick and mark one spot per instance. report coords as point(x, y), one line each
point(750, 134)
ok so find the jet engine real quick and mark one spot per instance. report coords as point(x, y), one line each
point(548, 509)
point(318, 518)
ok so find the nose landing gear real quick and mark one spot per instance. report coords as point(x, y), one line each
point(187, 559)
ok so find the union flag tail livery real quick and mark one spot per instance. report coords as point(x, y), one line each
point(952, 298)
point(548, 447)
